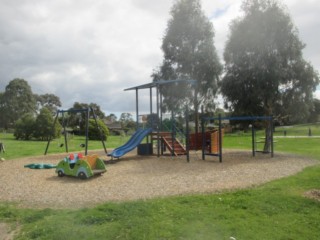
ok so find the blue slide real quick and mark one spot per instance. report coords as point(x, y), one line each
point(133, 142)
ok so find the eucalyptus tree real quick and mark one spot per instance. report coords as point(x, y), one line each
point(17, 100)
point(265, 71)
point(50, 101)
point(189, 54)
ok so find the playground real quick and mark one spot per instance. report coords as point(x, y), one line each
point(142, 177)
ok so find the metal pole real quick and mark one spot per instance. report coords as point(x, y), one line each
point(220, 139)
point(101, 137)
point(271, 134)
point(160, 121)
point(172, 133)
point(54, 123)
point(187, 134)
point(203, 136)
point(160, 110)
point(151, 120)
point(65, 133)
point(137, 109)
point(87, 131)
point(158, 128)
point(253, 141)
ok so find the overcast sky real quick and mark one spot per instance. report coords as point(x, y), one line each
point(90, 51)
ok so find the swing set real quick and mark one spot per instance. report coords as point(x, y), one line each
point(87, 112)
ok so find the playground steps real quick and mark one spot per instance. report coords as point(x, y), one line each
point(177, 149)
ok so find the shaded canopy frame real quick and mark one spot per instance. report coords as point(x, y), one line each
point(72, 110)
point(242, 118)
point(157, 85)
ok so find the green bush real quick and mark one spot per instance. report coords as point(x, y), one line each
point(24, 127)
point(43, 128)
point(94, 133)
point(28, 127)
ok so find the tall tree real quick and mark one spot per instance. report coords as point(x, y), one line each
point(2, 115)
point(315, 113)
point(189, 53)
point(111, 117)
point(126, 120)
point(17, 100)
point(50, 101)
point(43, 126)
point(78, 120)
point(264, 65)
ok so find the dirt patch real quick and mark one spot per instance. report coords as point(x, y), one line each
point(313, 194)
point(6, 233)
point(136, 177)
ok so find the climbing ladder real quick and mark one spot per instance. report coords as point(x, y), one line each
point(171, 143)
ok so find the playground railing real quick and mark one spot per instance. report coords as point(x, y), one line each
point(179, 134)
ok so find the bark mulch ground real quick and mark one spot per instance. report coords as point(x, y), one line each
point(141, 177)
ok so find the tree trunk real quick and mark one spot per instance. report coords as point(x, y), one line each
point(267, 144)
point(196, 112)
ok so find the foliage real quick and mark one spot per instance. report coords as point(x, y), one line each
point(315, 112)
point(40, 127)
point(111, 117)
point(153, 120)
point(98, 132)
point(126, 121)
point(17, 100)
point(168, 124)
point(189, 53)
point(25, 127)
point(50, 101)
point(43, 126)
point(266, 73)
point(77, 120)
point(2, 111)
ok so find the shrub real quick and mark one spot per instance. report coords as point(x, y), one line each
point(94, 133)
point(24, 127)
point(43, 126)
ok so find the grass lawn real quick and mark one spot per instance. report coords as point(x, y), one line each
point(15, 149)
point(276, 210)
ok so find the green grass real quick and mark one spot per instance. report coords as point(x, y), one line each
point(305, 146)
point(276, 210)
point(299, 130)
point(17, 148)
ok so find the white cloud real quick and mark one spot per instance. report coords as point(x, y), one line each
point(317, 93)
point(89, 51)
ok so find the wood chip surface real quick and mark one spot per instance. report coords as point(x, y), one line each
point(141, 177)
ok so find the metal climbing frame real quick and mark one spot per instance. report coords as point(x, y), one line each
point(253, 118)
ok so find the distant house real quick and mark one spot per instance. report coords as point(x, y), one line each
point(114, 127)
